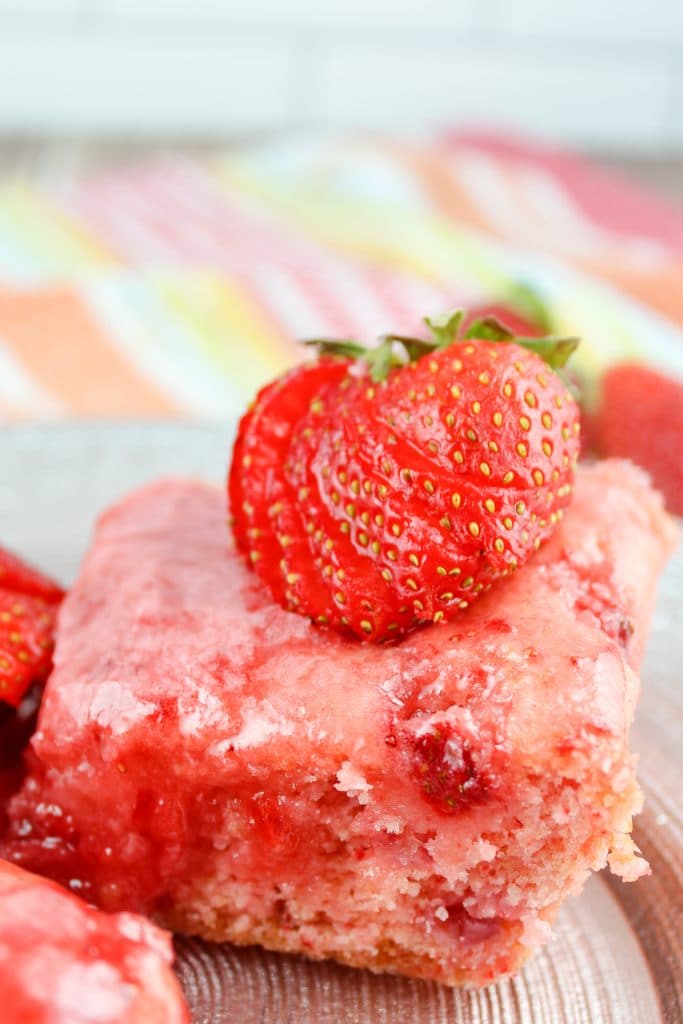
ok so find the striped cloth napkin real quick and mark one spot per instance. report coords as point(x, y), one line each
point(179, 286)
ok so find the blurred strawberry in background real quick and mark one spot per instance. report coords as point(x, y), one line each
point(520, 309)
point(640, 417)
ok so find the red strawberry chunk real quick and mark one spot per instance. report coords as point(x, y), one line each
point(63, 962)
point(446, 770)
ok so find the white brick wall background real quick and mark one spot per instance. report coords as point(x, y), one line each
point(606, 74)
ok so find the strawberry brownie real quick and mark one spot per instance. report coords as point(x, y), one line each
point(421, 807)
point(62, 962)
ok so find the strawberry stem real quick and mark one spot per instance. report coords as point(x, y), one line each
point(380, 359)
point(415, 347)
point(340, 348)
point(445, 327)
point(446, 330)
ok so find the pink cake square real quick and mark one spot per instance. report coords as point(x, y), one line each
point(421, 807)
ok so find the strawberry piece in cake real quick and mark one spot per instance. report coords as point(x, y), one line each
point(62, 962)
point(421, 807)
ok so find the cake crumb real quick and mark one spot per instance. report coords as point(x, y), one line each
point(352, 782)
point(624, 859)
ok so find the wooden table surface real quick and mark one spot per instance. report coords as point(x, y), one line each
point(59, 160)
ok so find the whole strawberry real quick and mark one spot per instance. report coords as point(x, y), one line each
point(28, 608)
point(405, 487)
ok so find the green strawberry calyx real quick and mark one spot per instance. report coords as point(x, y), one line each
point(446, 329)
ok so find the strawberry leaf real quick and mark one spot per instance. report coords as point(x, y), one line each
point(383, 358)
point(414, 347)
point(554, 351)
point(339, 348)
point(489, 328)
point(445, 326)
point(380, 360)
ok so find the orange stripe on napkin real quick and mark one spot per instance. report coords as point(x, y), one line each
point(66, 352)
point(439, 183)
point(661, 288)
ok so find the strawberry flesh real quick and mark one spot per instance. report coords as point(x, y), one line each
point(445, 770)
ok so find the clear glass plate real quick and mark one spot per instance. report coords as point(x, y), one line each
point(617, 950)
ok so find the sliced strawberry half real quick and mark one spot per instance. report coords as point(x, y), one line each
point(21, 578)
point(29, 602)
point(260, 495)
point(395, 493)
